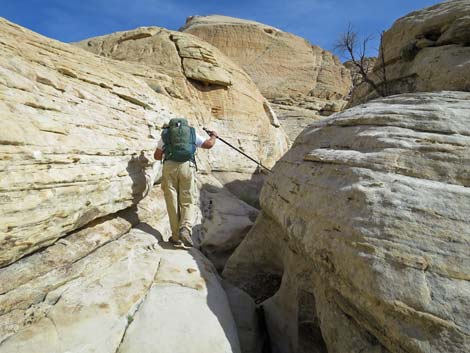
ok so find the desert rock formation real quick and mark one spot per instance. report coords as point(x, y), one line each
point(302, 81)
point(364, 231)
point(426, 51)
point(362, 242)
point(81, 267)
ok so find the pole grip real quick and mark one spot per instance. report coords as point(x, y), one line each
point(209, 132)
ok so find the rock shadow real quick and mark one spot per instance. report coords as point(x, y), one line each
point(136, 169)
point(227, 215)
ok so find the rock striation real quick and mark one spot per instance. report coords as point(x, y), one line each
point(363, 243)
point(426, 51)
point(302, 81)
point(79, 130)
point(77, 134)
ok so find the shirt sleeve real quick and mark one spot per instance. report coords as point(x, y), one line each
point(199, 140)
point(160, 144)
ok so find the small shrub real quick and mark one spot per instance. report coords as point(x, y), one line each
point(409, 52)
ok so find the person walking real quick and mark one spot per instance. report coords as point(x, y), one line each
point(177, 148)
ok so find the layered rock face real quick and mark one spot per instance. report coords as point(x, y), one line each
point(302, 81)
point(77, 134)
point(363, 241)
point(426, 51)
point(207, 88)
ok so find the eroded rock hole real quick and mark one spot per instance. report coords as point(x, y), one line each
point(432, 35)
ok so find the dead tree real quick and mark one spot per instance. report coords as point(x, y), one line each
point(349, 44)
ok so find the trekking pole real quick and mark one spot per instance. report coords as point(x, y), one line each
point(238, 150)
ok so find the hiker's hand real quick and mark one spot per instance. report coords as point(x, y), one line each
point(213, 134)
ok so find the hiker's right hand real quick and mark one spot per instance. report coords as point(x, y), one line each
point(213, 134)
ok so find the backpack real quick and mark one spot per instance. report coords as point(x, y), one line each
point(179, 141)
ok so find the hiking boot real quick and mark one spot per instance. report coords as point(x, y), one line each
point(185, 235)
point(175, 241)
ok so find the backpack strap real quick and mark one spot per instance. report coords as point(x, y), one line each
point(166, 142)
point(193, 142)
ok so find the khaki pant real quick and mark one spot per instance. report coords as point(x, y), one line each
point(179, 188)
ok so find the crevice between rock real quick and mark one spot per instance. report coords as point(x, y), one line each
point(130, 316)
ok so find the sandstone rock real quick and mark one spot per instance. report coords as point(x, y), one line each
point(366, 221)
point(426, 51)
point(199, 62)
point(211, 91)
point(110, 288)
point(77, 137)
point(282, 65)
point(224, 221)
point(185, 288)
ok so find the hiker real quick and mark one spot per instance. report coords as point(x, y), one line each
point(177, 147)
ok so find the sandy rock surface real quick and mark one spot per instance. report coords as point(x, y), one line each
point(116, 286)
point(356, 76)
point(303, 81)
point(426, 51)
point(364, 232)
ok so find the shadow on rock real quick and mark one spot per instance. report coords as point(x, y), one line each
point(225, 220)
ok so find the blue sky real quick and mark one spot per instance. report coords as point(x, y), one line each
point(319, 21)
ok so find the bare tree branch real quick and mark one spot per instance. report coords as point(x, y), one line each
point(348, 44)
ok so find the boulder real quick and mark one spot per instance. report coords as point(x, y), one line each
point(224, 220)
point(288, 70)
point(363, 240)
point(425, 51)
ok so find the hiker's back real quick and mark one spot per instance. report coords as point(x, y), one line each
point(179, 141)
